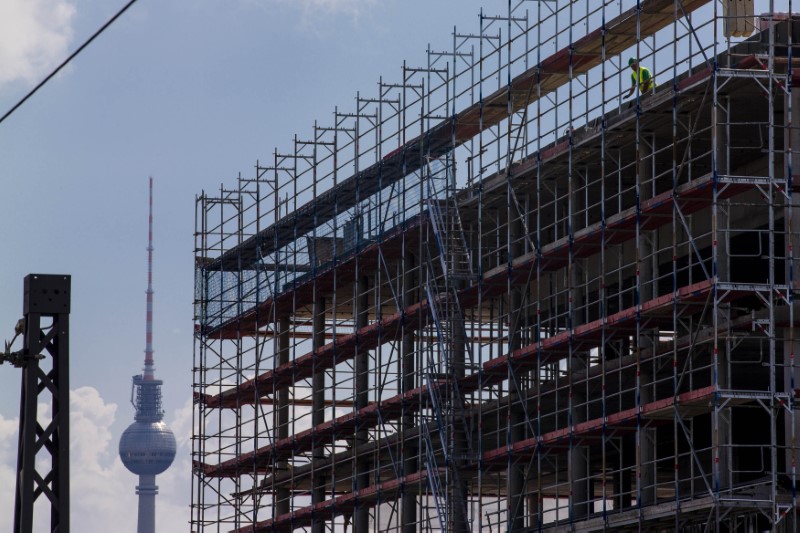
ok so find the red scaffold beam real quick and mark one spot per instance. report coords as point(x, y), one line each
point(691, 197)
point(391, 246)
point(261, 459)
point(342, 349)
point(344, 504)
point(693, 402)
point(584, 337)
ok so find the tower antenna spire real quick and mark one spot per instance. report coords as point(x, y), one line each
point(149, 370)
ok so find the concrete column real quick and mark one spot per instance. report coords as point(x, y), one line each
point(318, 479)
point(647, 185)
point(516, 415)
point(648, 289)
point(578, 455)
point(580, 506)
point(147, 490)
point(792, 224)
point(460, 435)
point(723, 154)
point(361, 522)
point(791, 345)
point(623, 485)
point(722, 158)
point(410, 449)
point(578, 471)
point(647, 442)
point(793, 136)
point(534, 510)
point(282, 494)
point(648, 265)
point(725, 451)
point(723, 275)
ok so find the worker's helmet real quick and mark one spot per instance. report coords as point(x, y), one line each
point(632, 60)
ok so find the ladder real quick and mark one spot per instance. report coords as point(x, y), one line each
point(448, 230)
point(435, 483)
point(453, 268)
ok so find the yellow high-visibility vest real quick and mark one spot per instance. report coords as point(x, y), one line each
point(643, 77)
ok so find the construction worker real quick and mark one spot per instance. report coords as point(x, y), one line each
point(640, 76)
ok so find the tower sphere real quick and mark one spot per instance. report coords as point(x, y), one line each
point(147, 448)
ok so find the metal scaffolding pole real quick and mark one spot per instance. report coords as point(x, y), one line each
point(578, 330)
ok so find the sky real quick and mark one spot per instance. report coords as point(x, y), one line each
point(191, 93)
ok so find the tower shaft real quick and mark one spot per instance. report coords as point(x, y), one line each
point(147, 490)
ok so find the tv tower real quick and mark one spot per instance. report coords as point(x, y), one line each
point(147, 447)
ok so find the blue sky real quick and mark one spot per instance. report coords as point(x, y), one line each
point(191, 93)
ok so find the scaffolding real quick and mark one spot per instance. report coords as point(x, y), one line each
point(505, 294)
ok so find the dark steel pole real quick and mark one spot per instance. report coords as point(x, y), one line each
point(48, 297)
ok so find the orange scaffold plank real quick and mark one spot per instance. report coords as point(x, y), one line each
point(581, 56)
point(618, 35)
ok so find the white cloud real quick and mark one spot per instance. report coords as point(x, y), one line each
point(316, 10)
point(34, 37)
point(350, 7)
point(8, 470)
point(102, 490)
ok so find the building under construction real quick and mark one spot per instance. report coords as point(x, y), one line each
point(502, 295)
